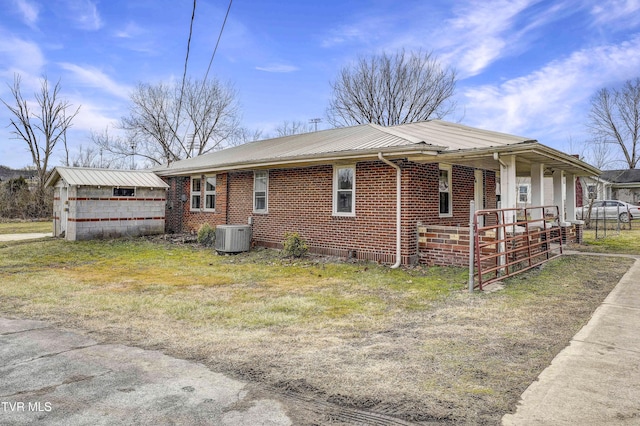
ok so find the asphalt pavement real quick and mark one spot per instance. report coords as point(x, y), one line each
point(56, 377)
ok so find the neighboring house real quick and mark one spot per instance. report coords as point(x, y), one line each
point(623, 185)
point(29, 175)
point(524, 196)
point(362, 191)
point(100, 203)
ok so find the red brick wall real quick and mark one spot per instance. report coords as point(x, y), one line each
point(301, 200)
point(180, 217)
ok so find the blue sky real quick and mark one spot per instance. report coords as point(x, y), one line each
point(525, 67)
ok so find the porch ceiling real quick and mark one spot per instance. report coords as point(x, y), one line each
point(526, 154)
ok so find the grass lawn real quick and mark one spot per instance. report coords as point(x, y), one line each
point(25, 227)
point(413, 343)
point(623, 241)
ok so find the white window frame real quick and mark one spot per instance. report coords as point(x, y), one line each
point(194, 193)
point(448, 169)
point(206, 192)
point(528, 193)
point(260, 174)
point(336, 189)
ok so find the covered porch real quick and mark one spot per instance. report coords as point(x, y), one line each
point(533, 161)
point(445, 245)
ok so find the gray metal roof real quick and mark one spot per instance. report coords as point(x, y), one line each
point(435, 136)
point(621, 176)
point(106, 177)
point(423, 141)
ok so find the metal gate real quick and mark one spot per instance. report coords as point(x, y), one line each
point(511, 241)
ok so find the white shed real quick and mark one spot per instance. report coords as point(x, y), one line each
point(103, 203)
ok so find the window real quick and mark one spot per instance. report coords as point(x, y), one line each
point(124, 192)
point(260, 187)
point(523, 193)
point(344, 187)
point(196, 193)
point(210, 193)
point(444, 188)
point(591, 191)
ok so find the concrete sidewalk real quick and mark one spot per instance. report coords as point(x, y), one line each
point(18, 237)
point(596, 379)
point(54, 377)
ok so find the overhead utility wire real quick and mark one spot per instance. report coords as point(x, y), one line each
point(213, 55)
point(217, 43)
point(186, 61)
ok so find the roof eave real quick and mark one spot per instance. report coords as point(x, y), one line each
point(308, 160)
point(528, 146)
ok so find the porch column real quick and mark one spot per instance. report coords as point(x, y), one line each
point(537, 189)
point(571, 197)
point(558, 193)
point(508, 184)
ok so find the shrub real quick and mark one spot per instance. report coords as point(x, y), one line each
point(207, 235)
point(294, 245)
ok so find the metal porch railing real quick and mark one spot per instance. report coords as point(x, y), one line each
point(509, 241)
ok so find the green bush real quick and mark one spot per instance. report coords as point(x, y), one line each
point(294, 245)
point(207, 235)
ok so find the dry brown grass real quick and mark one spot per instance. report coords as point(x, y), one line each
point(411, 343)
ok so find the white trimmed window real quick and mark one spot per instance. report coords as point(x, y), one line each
point(260, 191)
point(196, 193)
point(344, 190)
point(210, 193)
point(444, 188)
point(524, 193)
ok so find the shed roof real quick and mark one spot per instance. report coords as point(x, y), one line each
point(424, 141)
point(106, 177)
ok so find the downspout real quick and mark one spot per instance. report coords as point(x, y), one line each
point(398, 210)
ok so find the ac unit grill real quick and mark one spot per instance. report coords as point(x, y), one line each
point(233, 238)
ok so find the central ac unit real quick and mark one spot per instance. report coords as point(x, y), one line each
point(233, 238)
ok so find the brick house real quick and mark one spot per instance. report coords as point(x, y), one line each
point(361, 191)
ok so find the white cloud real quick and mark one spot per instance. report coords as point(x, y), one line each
point(624, 13)
point(279, 68)
point(92, 117)
point(480, 33)
point(131, 30)
point(553, 98)
point(22, 57)
point(85, 14)
point(29, 11)
point(93, 77)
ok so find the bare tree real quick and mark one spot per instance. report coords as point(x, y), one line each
point(166, 123)
point(118, 152)
point(615, 120)
point(40, 129)
point(392, 89)
point(244, 135)
point(288, 128)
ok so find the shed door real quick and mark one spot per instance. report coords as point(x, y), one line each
point(64, 210)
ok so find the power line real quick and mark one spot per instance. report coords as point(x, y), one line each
point(217, 43)
point(186, 61)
